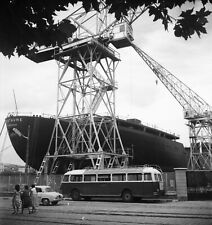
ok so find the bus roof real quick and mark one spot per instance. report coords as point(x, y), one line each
point(113, 170)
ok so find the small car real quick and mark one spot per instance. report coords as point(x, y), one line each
point(46, 196)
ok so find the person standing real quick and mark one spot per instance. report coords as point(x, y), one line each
point(26, 199)
point(16, 199)
point(34, 198)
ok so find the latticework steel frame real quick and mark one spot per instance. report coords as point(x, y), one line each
point(86, 100)
point(200, 144)
point(196, 111)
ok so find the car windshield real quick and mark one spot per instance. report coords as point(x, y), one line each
point(48, 189)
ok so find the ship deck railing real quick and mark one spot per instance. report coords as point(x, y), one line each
point(119, 117)
point(152, 126)
point(45, 115)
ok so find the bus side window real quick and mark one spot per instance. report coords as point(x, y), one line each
point(66, 178)
point(147, 176)
point(134, 176)
point(90, 177)
point(119, 177)
point(76, 178)
point(156, 177)
point(160, 177)
point(103, 177)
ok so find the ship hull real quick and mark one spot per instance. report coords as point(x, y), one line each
point(149, 145)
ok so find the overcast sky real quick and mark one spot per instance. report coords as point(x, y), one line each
point(138, 96)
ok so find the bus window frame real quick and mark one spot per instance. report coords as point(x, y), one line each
point(160, 178)
point(156, 178)
point(148, 180)
point(67, 180)
point(123, 175)
point(137, 175)
point(95, 175)
point(76, 175)
point(106, 175)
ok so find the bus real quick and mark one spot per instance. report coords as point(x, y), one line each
point(127, 183)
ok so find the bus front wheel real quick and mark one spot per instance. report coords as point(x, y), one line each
point(75, 195)
point(127, 196)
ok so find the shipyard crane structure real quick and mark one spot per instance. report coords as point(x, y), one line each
point(85, 124)
point(197, 112)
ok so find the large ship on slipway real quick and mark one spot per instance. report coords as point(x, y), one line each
point(149, 145)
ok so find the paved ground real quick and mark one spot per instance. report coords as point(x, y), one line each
point(109, 213)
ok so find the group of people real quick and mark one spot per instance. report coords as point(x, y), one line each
point(24, 199)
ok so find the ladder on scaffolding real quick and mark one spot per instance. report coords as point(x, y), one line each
point(39, 172)
point(112, 162)
point(70, 166)
point(99, 161)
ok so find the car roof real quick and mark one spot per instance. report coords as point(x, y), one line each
point(42, 186)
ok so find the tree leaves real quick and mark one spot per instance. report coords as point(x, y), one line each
point(26, 22)
point(90, 4)
point(191, 23)
point(23, 22)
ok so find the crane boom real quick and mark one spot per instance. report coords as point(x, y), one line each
point(196, 111)
point(193, 105)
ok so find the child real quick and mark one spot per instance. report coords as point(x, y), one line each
point(34, 198)
point(16, 199)
point(26, 199)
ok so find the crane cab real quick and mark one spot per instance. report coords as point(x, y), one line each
point(122, 35)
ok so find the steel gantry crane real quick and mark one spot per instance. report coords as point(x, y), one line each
point(85, 125)
point(196, 111)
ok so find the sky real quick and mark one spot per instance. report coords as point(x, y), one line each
point(139, 95)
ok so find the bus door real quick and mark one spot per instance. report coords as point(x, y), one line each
point(161, 183)
point(148, 184)
point(158, 177)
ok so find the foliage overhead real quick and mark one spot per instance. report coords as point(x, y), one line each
point(25, 22)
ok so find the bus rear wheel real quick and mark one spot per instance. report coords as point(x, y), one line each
point(75, 195)
point(127, 196)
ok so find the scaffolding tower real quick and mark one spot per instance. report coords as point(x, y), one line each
point(85, 124)
point(91, 132)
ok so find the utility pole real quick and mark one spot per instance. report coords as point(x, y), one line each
point(27, 157)
point(27, 151)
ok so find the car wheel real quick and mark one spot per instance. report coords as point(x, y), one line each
point(75, 195)
point(127, 196)
point(45, 201)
